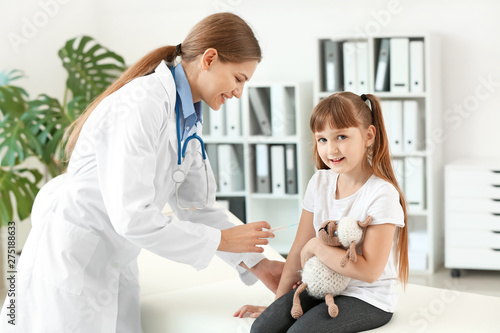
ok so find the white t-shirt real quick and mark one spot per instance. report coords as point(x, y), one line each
point(377, 198)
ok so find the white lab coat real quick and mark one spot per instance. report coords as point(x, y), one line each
point(78, 270)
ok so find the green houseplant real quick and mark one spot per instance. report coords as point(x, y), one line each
point(36, 128)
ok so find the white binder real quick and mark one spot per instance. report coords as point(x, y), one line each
point(262, 169)
point(217, 123)
point(282, 110)
point(350, 74)
point(417, 66)
point(291, 169)
point(232, 112)
point(400, 69)
point(393, 118)
point(230, 169)
point(413, 127)
point(278, 169)
point(260, 109)
point(382, 76)
point(362, 66)
point(415, 183)
point(398, 168)
point(211, 150)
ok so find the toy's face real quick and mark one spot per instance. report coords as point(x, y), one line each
point(328, 233)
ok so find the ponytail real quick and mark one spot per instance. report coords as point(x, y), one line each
point(382, 167)
point(230, 35)
point(144, 66)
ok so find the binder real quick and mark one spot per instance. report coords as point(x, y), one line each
point(211, 150)
point(413, 127)
point(362, 66)
point(282, 110)
point(291, 169)
point(398, 168)
point(392, 112)
point(232, 112)
point(333, 78)
point(383, 64)
point(217, 123)
point(262, 170)
point(415, 182)
point(278, 169)
point(417, 66)
point(230, 168)
point(350, 74)
point(260, 110)
point(399, 65)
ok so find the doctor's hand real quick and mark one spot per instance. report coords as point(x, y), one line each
point(268, 271)
point(245, 238)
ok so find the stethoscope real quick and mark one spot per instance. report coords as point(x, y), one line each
point(179, 176)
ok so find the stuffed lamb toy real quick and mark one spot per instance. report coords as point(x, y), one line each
point(320, 280)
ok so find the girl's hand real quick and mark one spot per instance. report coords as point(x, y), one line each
point(309, 250)
point(297, 284)
point(253, 310)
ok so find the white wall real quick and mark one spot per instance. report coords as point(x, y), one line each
point(288, 31)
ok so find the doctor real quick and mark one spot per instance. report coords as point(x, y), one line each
point(136, 148)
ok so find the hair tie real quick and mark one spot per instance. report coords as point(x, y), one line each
point(178, 49)
point(367, 101)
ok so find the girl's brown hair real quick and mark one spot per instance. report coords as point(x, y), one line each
point(344, 110)
point(230, 35)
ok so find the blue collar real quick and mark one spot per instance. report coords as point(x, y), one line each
point(191, 113)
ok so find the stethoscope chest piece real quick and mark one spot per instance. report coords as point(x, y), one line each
point(179, 176)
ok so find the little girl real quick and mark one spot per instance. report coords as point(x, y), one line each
point(356, 179)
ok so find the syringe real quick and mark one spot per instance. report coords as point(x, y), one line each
point(283, 227)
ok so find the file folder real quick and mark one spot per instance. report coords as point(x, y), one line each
point(383, 64)
point(260, 110)
point(282, 110)
point(417, 66)
point(263, 175)
point(217, 123)
point(230, 168)
point(415, 183)
point(278, 169)
point(398, 168)
point(413, 127)
point(291, 169)
point(211, 150)
point(400, 69)
point(350, 74)
point(392, 112)
point(333, 78)
point(232, 112)
point(362, 66)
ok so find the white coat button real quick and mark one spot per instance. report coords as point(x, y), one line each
point(251, 261)
point(187, 127)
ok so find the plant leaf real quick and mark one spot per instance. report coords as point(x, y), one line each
point(22, 184)
point(16, 142)
point(91, 67)
point(7, 77)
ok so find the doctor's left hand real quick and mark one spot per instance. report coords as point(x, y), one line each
point(245, 238)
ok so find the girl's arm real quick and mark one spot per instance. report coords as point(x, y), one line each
point(369, 266)
point(293, 265)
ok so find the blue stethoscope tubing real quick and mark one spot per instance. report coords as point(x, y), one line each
point(179, 176)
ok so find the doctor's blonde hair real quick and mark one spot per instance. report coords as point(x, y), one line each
point(229, 34)
point(344, 110)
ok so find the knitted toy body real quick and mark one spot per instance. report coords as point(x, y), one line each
point(321, 281)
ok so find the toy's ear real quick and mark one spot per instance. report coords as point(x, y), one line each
point(366, 223)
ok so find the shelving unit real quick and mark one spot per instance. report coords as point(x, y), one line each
point(287, 128)
point(426, 221)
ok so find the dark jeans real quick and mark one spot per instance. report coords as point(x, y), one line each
point(354, 315)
